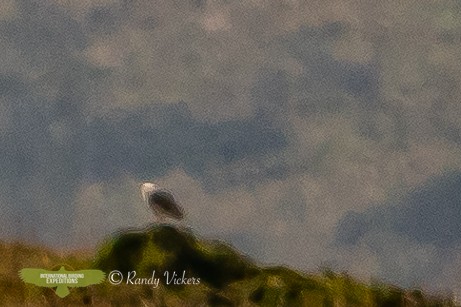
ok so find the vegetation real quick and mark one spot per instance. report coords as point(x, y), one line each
point(222, 277)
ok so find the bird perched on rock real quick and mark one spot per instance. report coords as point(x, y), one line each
point(161, 201)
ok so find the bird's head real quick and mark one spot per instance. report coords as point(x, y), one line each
point(147, 188)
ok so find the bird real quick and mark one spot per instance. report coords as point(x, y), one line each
point(161, 202)
point(61, 279)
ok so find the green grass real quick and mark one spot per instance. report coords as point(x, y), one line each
point(226, 277)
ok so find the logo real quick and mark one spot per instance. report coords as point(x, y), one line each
point(61, 279)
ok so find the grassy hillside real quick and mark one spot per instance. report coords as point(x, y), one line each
point(218, 276)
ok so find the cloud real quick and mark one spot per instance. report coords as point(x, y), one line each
point(97, 211)
point(155, 139)
point(431, 214)
point(413, 238)
point(428, 215)
point(287, 113)
point(261, 220)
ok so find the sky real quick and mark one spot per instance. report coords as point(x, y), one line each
point(304, 133)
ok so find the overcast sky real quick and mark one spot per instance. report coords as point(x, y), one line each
point(305, 133)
